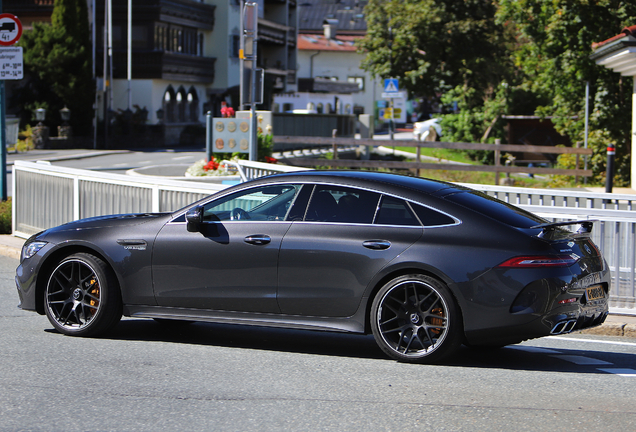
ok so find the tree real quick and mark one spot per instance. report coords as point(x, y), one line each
point(433, 46)
point(555, 40)
point(58, 67)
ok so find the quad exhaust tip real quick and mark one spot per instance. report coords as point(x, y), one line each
point(563, 327)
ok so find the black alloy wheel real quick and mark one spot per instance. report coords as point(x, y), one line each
point(82, 296)
point(415, 319)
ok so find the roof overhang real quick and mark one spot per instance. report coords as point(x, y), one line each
point(619, 55)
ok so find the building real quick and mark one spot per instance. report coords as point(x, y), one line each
point(619, 54)
point(330, 79)
point(185, 55)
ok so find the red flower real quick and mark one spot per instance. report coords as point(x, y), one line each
point(271, 160)
point(227, 112)
point(213, 165)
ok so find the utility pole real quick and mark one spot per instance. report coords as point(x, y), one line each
point(13, 69)
point(251, 77)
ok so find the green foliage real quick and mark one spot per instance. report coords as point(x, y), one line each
point(5, 217)
point(554, 56)
point(58, 68)
point(484, 58)
point(433, 46)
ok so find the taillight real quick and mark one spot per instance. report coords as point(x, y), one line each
point(540, 261)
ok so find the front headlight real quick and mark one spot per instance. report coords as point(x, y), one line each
point(30, 249)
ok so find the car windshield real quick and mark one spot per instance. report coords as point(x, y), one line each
point(496, 209)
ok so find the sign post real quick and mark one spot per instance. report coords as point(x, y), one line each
point(391, 91)
point(251, 77)
point(11, 67)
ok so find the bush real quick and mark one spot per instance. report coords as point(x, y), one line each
point(5, 217)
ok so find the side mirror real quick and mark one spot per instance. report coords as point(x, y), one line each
point(194, 218)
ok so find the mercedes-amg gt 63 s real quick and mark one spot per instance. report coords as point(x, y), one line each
point(424, 266)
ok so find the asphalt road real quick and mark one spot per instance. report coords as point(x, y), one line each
point(203, 377)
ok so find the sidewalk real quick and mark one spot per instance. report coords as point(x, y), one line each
point(615, 325)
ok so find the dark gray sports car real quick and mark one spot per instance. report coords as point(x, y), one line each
point(423, 265)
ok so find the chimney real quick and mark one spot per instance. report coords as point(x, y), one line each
point(330, 26)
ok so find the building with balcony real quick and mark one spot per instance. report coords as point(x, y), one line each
point(185, 55)
point(330, 79)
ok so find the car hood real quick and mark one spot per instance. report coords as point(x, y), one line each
point(111, 221)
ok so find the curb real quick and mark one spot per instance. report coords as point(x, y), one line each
point(71, 157)
point(612, 329)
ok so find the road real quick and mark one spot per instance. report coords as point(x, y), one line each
point(202, 377)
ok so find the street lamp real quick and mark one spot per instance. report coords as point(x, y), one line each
point(40, 115)
point(65, 113)
point(160, 115)
point(40, 131)
point(65, 131)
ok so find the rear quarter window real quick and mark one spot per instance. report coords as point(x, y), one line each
point(496, 209)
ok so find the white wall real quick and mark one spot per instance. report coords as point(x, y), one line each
point(342, 64)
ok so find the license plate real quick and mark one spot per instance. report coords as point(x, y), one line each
point(594, 293)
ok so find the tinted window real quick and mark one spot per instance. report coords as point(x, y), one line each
point(262, 203)
point(341, 204)
point(430, 217)
point(394, 211)
point(498, 210)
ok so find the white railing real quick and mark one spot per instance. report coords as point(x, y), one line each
point(249, 170)
point(45, 196)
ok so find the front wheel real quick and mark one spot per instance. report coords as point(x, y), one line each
point(82, 296)
point(415, 319)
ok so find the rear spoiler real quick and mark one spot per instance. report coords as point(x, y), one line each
point(584, 230)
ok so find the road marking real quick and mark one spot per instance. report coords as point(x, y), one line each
point(631, 373)
point(580, 360)
point(535, 349)
point(120, 164)
point(183, 157)
point(593, 341)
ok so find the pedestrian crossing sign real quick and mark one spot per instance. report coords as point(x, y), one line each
point(391, 85)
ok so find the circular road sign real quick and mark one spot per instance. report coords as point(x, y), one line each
point(10, 29)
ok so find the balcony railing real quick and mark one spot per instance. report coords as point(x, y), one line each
point(163, 65)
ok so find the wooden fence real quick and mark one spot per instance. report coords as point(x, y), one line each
point(335, 142)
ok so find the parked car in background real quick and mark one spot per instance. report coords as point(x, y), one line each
point(422, 130)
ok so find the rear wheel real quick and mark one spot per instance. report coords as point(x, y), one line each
point(82, 296)
point(415, 319)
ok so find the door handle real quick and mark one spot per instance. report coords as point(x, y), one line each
point(376, 244)
point(258, 239)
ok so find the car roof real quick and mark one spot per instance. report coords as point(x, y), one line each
point(418, 184)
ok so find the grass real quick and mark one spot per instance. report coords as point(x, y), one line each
point(440, 154)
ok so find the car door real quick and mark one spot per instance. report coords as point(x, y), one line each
point(230, 262)
point(346, 237)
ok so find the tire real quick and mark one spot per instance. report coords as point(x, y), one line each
point(82, 296)
point(415, 319)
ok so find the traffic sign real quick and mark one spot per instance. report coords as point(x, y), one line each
point(11, 63)
point(391, 85)
point(10, 29)
point(392, 95)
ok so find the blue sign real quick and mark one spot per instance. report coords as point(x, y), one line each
point(391, 85)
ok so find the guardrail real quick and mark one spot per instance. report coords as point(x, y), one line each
point(45, 196)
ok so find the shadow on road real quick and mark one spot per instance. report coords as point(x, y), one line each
point(514, 357)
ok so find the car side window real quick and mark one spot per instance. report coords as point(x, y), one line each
point(258, 204)
point(395, 211)
point(430, 217)
point(341, 204)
